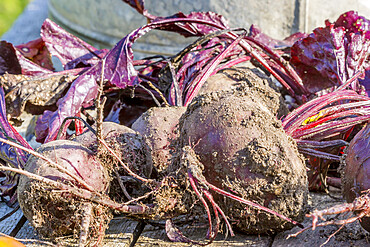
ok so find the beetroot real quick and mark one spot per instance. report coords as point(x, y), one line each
point(159, 126)
point(75, 199)
point(128, 144)
point(356, 173)
point(259, 85)
point(261, 164)
point(244, 150)
point(59, 213)
point(130, 147)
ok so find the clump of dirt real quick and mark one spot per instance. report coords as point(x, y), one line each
point(33, 94)
point(245, 150)
point(55, 214)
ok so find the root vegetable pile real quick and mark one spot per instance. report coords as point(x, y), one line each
point(263, 171)
point(216, 141)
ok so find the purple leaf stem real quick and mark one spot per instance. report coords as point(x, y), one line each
point(349, 81)
point(321, 144)
point(231, 63)
point(334, 112)
point(283, 63)
point(326, 130)
point(299, 115)
point(319, 154)
point(264, 63)
point(207, 71)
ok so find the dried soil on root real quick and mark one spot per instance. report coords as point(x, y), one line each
point(54, 214)
point(355, 170)
point(245, 150)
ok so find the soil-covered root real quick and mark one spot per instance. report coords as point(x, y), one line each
point(245, 150)
point(159, 126)
point(54, 212)
point(355, 172)
point(252, 80)
point(131, 148)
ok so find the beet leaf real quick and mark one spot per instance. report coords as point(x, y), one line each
point(256, 33)
point(8, 59)
point(119, 69)
point(63, 44)
point(331, 55)
point(10, 155)
point(13, 62)
point(36, 51)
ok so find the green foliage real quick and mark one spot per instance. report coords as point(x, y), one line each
point(9, 11)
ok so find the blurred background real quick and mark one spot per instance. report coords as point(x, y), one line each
point(103, 23)
point(9, 11)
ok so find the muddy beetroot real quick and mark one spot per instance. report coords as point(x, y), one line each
point(159, 126)
point(57, 214)
point(244, 150)
point(355, 175)
point(130, 147)
point(355, 188)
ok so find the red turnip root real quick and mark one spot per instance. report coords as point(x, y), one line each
point(259, 85)
point(159, 126)
point(245, 151)
point(355, 172)
point(130, 147)
point(58, 213)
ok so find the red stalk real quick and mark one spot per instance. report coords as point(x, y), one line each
point(193, 91)
point(249, 203)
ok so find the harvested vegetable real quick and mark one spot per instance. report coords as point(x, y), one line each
point(244, 150)
point(60, 213)
point(130, 148)
point(355, 187)
point(176, 189)
point(356, 173)
point(159, 126)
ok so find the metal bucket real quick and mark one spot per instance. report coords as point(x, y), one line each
point(103, 23)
